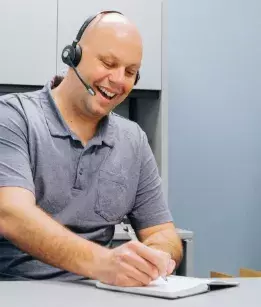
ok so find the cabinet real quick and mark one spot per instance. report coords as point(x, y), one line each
point(33, 34)
point(28, 41)
point(145, 14)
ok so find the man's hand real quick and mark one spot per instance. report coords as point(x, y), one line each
point(163, 237)
point(134, 264)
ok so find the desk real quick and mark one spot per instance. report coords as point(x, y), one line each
point(186, 267)
point(64, 294)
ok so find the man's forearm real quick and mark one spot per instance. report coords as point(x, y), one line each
point(34, 232)
point(168, 241)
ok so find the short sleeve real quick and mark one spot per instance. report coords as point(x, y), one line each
point(15, 169)
point(150, 207)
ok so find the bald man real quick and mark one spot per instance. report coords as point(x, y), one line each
point(71, 169)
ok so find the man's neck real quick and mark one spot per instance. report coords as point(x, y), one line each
point(83, 126)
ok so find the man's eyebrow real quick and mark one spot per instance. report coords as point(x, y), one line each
point(109, 56)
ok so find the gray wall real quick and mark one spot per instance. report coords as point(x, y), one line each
point(215, 129)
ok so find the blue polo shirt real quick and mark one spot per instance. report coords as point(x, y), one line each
point(88, 188)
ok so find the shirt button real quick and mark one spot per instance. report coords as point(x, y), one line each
point(81, 171)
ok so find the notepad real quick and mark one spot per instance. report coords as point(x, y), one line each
point(175, 287)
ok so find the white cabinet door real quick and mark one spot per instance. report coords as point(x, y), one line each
point(145, 14)
point(28, 32)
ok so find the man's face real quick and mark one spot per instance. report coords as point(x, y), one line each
point(110, 61)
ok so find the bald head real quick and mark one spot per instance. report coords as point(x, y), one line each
point(112, 22)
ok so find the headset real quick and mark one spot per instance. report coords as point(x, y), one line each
point(72, 54)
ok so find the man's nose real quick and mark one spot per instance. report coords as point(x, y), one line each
point(117, 76)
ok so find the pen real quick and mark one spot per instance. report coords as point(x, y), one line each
point(133, 237)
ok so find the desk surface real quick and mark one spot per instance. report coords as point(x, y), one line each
point(61, 294)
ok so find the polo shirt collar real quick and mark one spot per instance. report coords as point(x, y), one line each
point(59, 128)
point(56, 124)
point(106, 130)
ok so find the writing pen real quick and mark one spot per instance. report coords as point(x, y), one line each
point(133, 237)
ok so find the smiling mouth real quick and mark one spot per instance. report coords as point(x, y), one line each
point(106, 94)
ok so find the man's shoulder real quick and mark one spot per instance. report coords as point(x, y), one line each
point(21, 100)
point(24, 103)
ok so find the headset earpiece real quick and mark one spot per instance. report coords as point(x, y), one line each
point(68, 55)
point(78, 55)
point(72, 55)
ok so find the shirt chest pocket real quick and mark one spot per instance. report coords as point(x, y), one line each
point(112, 201)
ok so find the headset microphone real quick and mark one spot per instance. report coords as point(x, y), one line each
point(67, 59)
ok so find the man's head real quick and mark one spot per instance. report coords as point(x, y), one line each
point(111, 57)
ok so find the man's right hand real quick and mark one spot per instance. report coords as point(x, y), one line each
point(133, 264)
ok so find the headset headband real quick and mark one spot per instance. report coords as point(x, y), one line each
point(87, 22)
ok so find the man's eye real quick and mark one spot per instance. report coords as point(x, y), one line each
point(108, 64)
point(130, 73)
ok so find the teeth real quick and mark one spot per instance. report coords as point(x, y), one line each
point(107, 92)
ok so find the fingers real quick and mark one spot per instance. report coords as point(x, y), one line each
point(157, 258)
point(131, 276)
point(134, 260)
point(125, 281)
point(135, 264)
point(171, 266)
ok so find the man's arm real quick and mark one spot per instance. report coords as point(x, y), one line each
point(36, 233)
point(165, 238)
